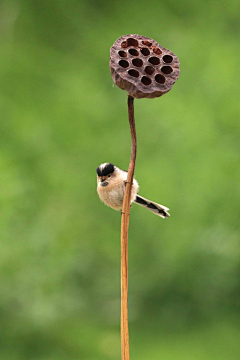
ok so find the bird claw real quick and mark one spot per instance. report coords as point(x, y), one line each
point(122, 213)
point(126, 182)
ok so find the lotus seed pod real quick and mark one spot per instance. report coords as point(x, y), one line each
point(142, 67)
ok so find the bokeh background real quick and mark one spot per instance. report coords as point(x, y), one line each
point(60, 246)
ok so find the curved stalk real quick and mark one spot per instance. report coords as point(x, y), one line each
point(124, 235)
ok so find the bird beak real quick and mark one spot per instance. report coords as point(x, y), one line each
point(104, 182)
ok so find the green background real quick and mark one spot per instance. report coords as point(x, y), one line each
point(60, 246)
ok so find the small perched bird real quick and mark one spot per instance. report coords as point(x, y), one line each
point(111, 183)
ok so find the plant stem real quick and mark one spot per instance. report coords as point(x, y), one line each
point(124, 235)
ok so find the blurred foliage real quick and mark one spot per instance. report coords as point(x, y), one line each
point(60, 247)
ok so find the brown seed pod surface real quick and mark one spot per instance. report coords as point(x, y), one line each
point(142, 67)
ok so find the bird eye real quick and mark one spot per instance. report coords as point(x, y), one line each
point(109, 175)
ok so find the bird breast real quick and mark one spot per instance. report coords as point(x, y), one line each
point(113, 194)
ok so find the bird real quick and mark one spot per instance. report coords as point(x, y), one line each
point(111, 184)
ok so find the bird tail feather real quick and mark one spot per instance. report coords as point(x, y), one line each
point(157, 209)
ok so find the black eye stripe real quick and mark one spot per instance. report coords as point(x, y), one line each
point(108, 169)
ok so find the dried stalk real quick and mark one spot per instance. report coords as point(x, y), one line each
point(124, 235)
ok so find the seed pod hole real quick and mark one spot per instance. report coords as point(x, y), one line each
point(145, 51)
point(129, 42)
point(124, 63)
point(122, 53)
point(157, 51)
point(167, 69)
point(133, 52)
point(167, 59)
point(160, 79)
point(154, 60)
point(146, 43)
point(133, 73)
point(145, 80)
point(137, 62)
point(142, 67)
point(149, 70)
